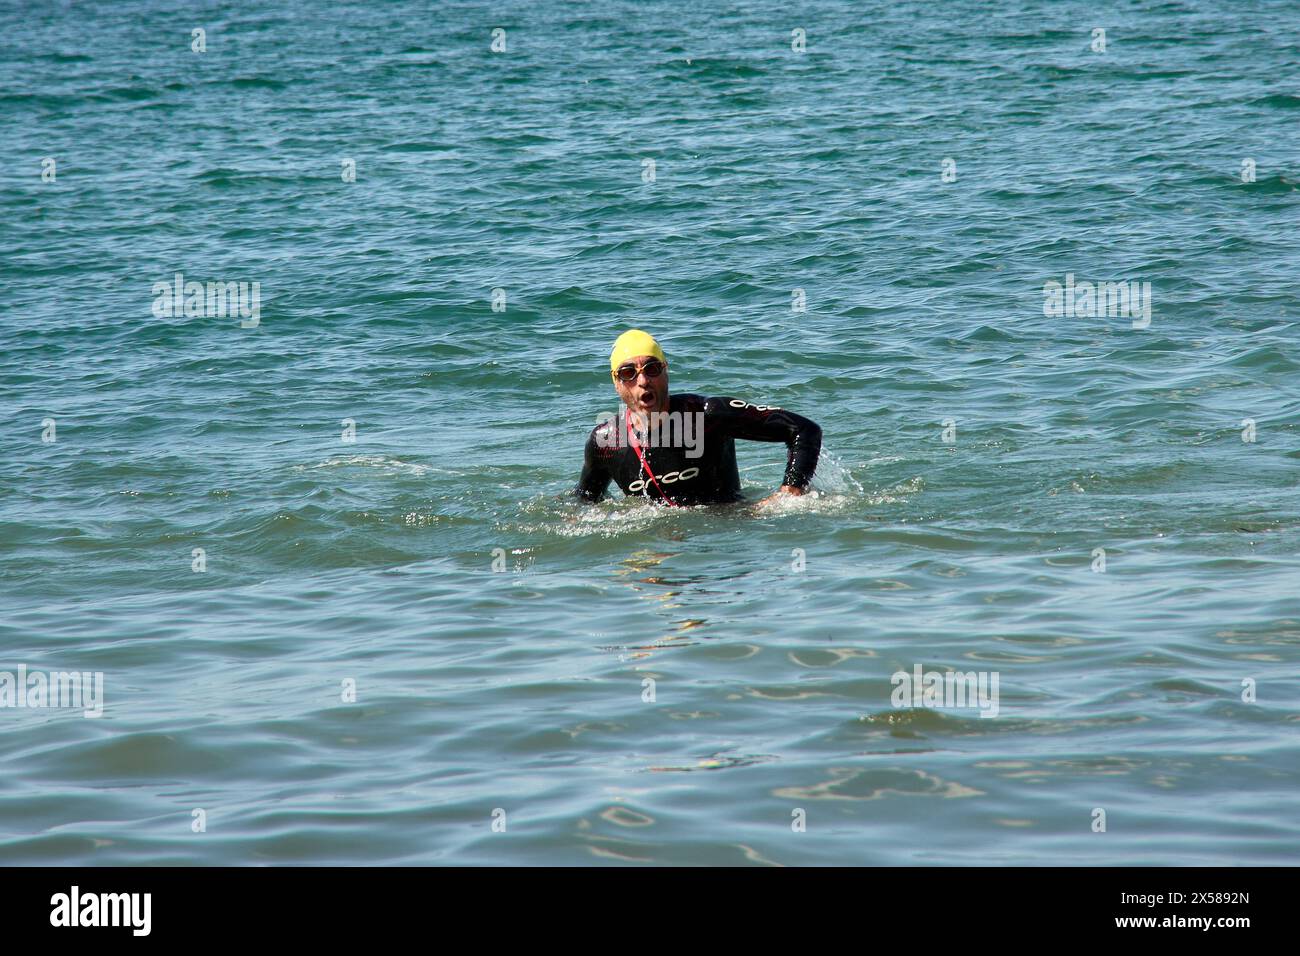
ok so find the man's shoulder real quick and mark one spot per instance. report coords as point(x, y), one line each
point(720, 404)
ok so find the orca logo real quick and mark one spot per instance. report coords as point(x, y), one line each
point(737, 403)
point(672, 476)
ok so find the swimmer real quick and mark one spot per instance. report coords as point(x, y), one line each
point(681, 449)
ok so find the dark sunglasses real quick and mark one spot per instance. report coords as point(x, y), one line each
point(628, 373)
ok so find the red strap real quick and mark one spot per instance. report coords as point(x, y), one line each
point(637, 448)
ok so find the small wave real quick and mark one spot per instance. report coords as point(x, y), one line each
point(258, 83)
point(607, 520)
point(389, 466)
point(1282, 101)
point(899, 492)
point(1269, 184)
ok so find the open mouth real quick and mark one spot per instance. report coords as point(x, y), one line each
point(647, 400)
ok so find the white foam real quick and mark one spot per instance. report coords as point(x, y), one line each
point(391, 466)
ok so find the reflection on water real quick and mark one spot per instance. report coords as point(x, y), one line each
point(717, 762)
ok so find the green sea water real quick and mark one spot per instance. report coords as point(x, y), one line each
point(411, 647)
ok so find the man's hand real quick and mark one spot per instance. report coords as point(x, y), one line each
point(777, 495)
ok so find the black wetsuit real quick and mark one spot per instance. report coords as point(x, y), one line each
point(709, 478)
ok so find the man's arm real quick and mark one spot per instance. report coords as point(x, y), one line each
point(595, 475)
point(802, 436)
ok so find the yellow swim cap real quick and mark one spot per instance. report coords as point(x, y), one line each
point(629, 345)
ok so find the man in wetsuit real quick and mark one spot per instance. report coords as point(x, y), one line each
point(681, 449)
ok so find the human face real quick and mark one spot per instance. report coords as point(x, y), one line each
point(644, 393)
